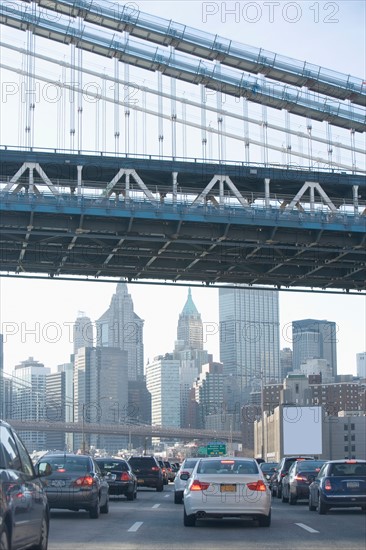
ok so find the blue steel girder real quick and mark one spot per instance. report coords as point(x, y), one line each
point(145, 241)
point(184, 68)
point(209, 46)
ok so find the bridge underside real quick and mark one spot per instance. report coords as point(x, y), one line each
point(154, 242)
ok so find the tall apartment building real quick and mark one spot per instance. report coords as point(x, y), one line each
point(120, 327)
point(100, 394)
point(250, 336)
point(314, 339)
point(162, 381)
point(55, 410)
point(209, 391)
point(29, 399)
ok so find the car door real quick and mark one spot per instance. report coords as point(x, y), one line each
point(22, 490)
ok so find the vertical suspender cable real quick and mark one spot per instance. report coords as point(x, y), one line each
point(330, 145)
point(127, 101)
point(144, 129)
point(264, 132)
point(116, 106)
point(160, 113)
point(246, 130)
point(72, 98)
point(353, 152)
point(80, 93)
point(184, 127)
point(203, 122)
point(309, 128)
point(288, 137)
point(104, 115)
point(173, 91)
point(21, 97)
point(220, 118)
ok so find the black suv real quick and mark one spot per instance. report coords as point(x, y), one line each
point(24, 511)
point(282, 470)
point(147, 471)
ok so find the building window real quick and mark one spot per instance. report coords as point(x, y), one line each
point(352, 426)
point(353, 448)
point(346, 437)
point(353, 438)
point(346, 448)
point(345, 427)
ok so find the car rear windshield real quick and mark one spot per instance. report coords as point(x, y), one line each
point(142, 462)
point(350, 469)
point(112, 465)
point(190, 463)
point(227, 467)
point(310, 465)
point(67, 464)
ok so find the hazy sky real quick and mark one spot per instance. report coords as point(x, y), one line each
point(330, 34)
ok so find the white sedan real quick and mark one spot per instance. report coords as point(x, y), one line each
point(229, 487)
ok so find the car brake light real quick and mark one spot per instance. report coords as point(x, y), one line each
point(283, 474)
point(85, 481)
point(300, 478)
point(199, 486)
point(155, 469)
point(257, 486)
point(351, 461)
point(125, 476)
point(327, 485)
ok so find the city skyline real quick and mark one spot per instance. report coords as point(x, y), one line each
point(55, 332)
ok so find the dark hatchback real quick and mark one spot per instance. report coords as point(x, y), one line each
point(121, 479)
point(24, 511)
point(339, 484)
point(147, 471)
point(295, 485)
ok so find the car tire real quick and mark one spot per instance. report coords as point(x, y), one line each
point(130, 495)
point(178, 498)
point(160, 487)
point(94, 511)
point(292, 499)
point(4, 539)
point(43, 539)
point(265, 521)
point(283, 498)
point(279, 492)
point(105, 508)
point(312, 508)
point(322, 508)
point(189, 521)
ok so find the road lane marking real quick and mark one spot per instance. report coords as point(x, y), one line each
point(167, 496)
point(307, 528)
point(156, 505)
point(135, 526)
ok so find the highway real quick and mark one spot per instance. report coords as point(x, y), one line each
point(154, 522)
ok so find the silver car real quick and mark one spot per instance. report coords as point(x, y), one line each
point(229, 487)
point(180, 483)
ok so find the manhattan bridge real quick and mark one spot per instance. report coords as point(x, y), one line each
point(148, 150)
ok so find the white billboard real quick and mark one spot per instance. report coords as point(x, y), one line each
point(302, 430)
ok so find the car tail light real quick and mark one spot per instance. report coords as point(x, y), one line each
point(327, 485)
point(155, 469)
point(283, 474)
point(85, 481)
point(257, 486)
point(199, 486)
point(300, 477)
point(351, 461)
point(125, 476)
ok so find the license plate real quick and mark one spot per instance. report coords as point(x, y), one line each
point(58, 483)
point(353, 484)
point(228, 488)
point(140, 481)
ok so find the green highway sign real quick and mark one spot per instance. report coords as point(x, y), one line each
point(216, 449)
point(202, 450)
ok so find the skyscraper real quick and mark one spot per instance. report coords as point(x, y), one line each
point(83, 332)
point(190, 354)
point(190, 329)
point(314, 339)
point(249, 335)
point(120, 327)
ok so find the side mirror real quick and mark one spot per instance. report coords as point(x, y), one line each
point(184, 477)
point(43, 469)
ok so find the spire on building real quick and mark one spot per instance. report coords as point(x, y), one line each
point(189, 307)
